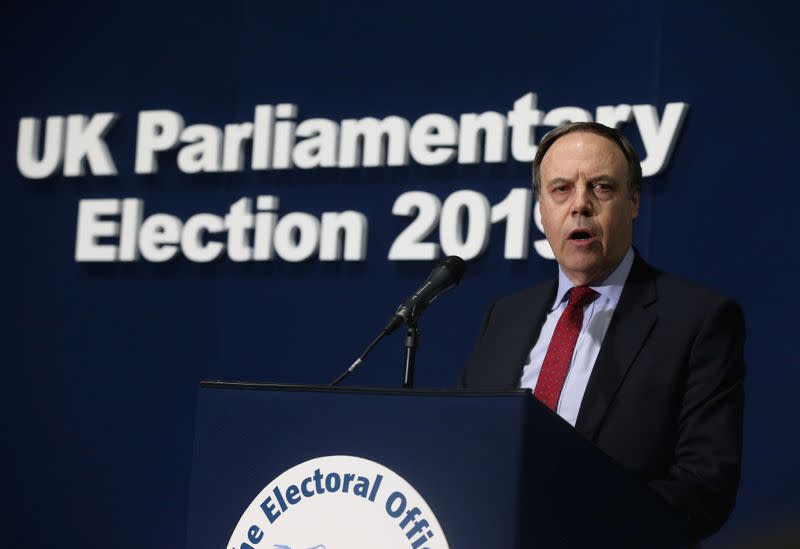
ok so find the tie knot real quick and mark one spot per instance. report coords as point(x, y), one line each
point(581, 296)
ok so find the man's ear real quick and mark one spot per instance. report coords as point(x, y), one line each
point(635, 206)
point(541, 217)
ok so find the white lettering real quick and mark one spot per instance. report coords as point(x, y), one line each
point(296, 236)
point(239, 222)
point(91, 228)
point(659, 140)
point(204, 149)
point(433, 140)
point(492, 125)
point(318, 149)
point(523, 121)
point(29, 162)
point(352, 226)
point(371, 132)
point(565, 115)
point(194, 230)
point(158, 236)
point(233, 149)
point(85, 141)
point(157, 131)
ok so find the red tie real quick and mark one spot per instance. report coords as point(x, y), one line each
point(562, 346)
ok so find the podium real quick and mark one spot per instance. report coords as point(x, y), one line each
point(496, 470)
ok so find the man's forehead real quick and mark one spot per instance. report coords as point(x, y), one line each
point(584, 150)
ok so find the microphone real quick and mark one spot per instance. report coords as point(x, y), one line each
point(447, 274)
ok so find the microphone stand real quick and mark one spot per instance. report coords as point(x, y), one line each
point(412, 340)
point(447, 274)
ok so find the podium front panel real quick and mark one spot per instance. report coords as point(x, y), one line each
point(462, 452)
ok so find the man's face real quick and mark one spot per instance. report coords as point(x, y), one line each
point(587, 209)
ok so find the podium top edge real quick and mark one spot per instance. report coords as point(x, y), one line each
point(260, 386)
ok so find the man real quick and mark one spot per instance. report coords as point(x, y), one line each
point(647, 366)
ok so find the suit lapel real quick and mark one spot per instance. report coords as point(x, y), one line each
point(526, 332)
point(627, 332)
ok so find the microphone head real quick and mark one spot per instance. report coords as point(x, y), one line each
point(455, 265)
point(447, 274)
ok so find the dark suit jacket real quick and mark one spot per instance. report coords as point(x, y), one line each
point(665, 398)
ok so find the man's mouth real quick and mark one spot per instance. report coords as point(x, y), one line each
point(580, 235)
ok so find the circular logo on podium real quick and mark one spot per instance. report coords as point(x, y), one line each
point(338, 502)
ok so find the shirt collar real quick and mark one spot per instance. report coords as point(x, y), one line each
point(610, 288)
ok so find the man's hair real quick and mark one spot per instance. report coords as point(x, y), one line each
point(612, 134)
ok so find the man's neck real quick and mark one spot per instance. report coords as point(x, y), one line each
point(610, 285)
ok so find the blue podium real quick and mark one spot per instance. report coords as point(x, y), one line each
point(496, 470)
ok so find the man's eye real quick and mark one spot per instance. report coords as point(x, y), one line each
point(602, 187)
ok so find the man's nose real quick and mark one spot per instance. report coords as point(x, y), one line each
point(582, 203)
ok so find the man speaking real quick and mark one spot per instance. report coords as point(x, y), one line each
point(647, 366)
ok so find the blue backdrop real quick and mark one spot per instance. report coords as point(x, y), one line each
point(101, 361)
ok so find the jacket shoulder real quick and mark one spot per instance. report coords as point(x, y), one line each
point(677, 291)
point(527, 297)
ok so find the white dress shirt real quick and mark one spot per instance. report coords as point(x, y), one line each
point(596, 318)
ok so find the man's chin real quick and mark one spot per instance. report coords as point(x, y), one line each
point(583, 271)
